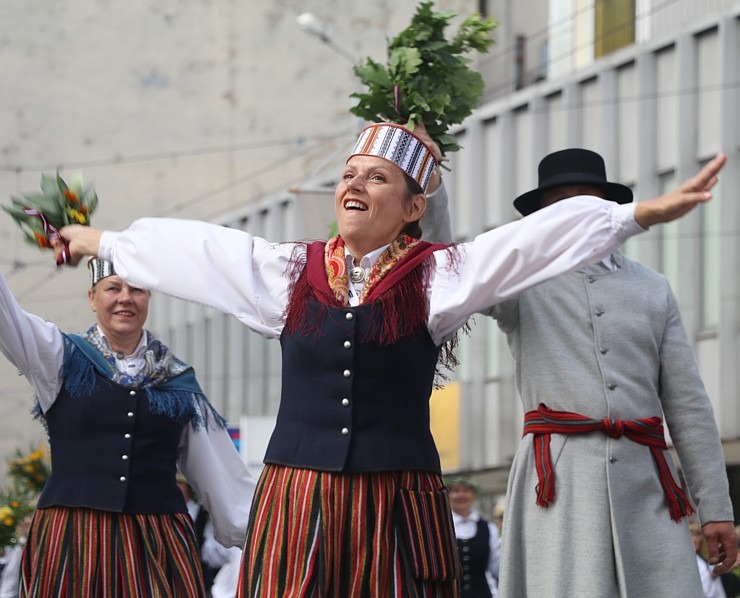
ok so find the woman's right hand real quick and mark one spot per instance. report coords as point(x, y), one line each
point(76, 241)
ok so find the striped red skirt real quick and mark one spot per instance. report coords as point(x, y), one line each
point(86, 553)
point(375, 535)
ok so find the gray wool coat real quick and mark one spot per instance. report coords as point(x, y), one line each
point(607, 345)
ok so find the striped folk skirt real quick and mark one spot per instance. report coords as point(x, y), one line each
point(86, 553)
point(376, 535)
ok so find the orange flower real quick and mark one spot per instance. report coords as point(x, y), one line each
point(41, 240)
point(71, 196)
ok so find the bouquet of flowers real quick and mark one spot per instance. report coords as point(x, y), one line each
point(41, 215)
point(13, 510)
point(30, 471)
point(427, 78)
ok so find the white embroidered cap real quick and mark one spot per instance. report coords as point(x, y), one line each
point(398, 145)
point(99, 269)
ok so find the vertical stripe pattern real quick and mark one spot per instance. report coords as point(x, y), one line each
point(86, 553)
point(318, 534)
point(400, 146)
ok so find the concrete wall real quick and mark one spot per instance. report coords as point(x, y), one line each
point(186, 109)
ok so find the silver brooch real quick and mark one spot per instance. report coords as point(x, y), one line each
point(357, 274)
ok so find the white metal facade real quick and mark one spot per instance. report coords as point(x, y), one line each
point(656, 111)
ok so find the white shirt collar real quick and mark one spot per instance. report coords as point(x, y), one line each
point(138, 352)
point(368, 261)
point(474, 516)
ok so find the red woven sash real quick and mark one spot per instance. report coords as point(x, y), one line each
point(543, 422)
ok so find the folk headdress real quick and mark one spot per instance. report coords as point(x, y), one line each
point(401, 147)
point(99, 269)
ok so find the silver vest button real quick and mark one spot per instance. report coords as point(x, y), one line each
point(130, 414)
point(347, 345)
point(349, 315)
point(124, 457)
point(127, 435)
point(345, 431)
point(346, 373)
point(132, 393)
point(345, 402)
point(122, 478)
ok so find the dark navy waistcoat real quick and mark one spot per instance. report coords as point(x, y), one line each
point(351, 404)
point(474, 554)
point(110, 452)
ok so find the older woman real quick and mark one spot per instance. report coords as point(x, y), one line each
point(351, 501)
point(122, 412)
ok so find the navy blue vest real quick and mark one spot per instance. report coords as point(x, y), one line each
point(351, 404)
point(110, 452)
point(474, 554)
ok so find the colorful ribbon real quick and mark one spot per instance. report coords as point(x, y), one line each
point(51, 232)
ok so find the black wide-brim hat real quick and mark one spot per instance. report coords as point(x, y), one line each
point(573, 166)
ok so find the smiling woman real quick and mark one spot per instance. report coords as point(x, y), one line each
point(351, 500)
point(115, 457)
point(121, 309)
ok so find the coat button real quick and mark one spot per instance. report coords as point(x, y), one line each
point(124, 457)
point(122, 478)
point(349, 315)
point(130, 414)
point(345, 431)
point(346, 373)
point(612, 386)
point(612, 459)
point(603, 350)
point(345, 402)
point(599, 313)
point(127, 435)
point(132, 393)
point(591, 279)
point(347, 345)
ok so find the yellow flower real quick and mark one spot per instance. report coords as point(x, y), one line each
point(5, 511)
point(15, 504)
point(9, 521)
point(77, 216)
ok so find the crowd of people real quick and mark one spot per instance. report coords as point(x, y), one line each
point(351, 501)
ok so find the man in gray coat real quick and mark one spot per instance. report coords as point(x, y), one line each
point(594, 505)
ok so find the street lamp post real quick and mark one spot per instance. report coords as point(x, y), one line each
point(310, 23)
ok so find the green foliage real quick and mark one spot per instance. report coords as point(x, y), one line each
point(29, 472)
point(60, 204)
point(427, 78)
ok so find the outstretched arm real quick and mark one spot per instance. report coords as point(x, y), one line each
point(682, 200)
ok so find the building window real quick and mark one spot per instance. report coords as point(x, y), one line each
point(670, 245)
point(614, 26)
point(711, 223)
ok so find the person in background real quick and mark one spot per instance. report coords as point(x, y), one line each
point(498, 514)
point(364, 320)
point(10, 576)
point(601, 357)
point(213, 555)
point(121, 413)
point(477, 540)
